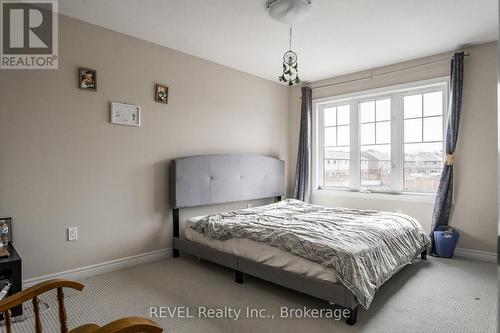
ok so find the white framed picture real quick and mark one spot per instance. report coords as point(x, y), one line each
point(125, 114)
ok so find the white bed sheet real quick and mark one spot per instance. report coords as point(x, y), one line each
point(262, 253)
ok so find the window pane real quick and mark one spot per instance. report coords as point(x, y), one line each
point(368, 134)
point(375, 167)
point(413, 130)
point(336, 169)
point(422, 166)
point(383, 130)
point(383, 109)
point(330, 116)
point(330, 136)
point(433, 104)
point(367, 111)
point(343, 115)
point(413, 106)
point(433, 129)
point(343, 137)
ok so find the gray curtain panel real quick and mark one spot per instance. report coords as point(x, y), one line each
point(302, 185)
point(444, 195)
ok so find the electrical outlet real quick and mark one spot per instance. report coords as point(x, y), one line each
point(72, 233)
point(249, 205)
point(399, 211)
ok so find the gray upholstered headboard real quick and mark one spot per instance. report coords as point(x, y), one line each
point(212, 179)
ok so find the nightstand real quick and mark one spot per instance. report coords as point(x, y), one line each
point(10, 268)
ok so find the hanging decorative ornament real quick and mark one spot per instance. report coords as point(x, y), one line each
point(289, 12)
point(290, 74)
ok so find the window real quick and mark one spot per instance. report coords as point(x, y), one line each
point(336, 143)
point(423, 141)
point(375, 145)
point(388, 140)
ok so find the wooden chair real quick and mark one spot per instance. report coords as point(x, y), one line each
point(124, 325)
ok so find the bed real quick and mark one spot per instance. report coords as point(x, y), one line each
point(336, 254)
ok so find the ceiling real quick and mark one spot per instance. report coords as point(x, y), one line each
point(338, 37)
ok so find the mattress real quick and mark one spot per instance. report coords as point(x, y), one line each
point(262, 253)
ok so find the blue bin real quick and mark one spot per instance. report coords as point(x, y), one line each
point(445, 241)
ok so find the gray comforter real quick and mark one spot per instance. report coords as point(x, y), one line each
point(365, 248)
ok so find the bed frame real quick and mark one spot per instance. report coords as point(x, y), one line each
point(214, 179)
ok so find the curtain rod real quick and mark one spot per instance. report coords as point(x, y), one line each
point(372, 76)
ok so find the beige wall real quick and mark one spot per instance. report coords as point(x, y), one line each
point(475, 209)
point(63, 164)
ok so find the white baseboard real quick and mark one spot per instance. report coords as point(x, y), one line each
point(113, 265)
point(104, 267)
point(476, 255)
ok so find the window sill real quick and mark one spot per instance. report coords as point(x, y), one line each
point(408, 197)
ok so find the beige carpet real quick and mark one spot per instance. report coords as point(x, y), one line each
point(437, 295)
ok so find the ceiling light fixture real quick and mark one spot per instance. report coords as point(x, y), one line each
point(289, 12)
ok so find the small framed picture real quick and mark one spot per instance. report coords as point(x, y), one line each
point(161, 93)
point(125, 114)
point(6, 229)
point(87, 79)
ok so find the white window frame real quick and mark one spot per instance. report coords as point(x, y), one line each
point(395, 93)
